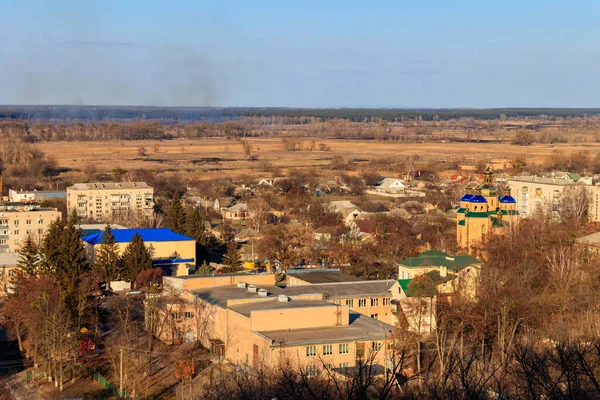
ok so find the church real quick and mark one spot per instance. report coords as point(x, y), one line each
point(482, 212)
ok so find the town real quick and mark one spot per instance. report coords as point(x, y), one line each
point(409, 282)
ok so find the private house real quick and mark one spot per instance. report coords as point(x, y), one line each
point(590, 243)
point(363, 229)
point(348, 211)
point(222, 203)
point(391, 185)
point(236, 212)
point(100, 200)
point(253, 324)
point(171, 251)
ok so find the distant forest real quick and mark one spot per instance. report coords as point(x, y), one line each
point(212, 114)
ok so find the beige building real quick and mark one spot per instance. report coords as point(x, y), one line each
point(8, 264)
point(18, 220)
point(534, 193)
point(100, 200)
point(173, 252)
point(260, 325)
point(483, 213)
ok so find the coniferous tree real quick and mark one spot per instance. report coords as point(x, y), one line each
point(194, 224)
point(51, 247)
point(136, 258)
point(232, 258)
point(29, 260)
point(72, 259)
point(107, 264)
point(176, 215)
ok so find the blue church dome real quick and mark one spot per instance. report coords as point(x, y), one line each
point(466, 197)
point(508, 199)
point(478, 199)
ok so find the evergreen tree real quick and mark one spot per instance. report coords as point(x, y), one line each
point(107, 264)
point(51, 247)
point(176, 215)
point(29, 260)
point(136, 258)
point(232, 258)
point(194, 224)
point(74, 218)
point(72, 261)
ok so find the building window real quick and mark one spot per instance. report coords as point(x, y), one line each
point(40, 221)
point(375, 316)
point(3, 241)
point(40, 231)
point(327, 349)
point(376, 346)
point(176, 316)
point(16, 222)
point(16, 232)
point(311, 351)
point(17, 241)
point(178, 334)
point(188, 315)
point(350, 303)
point(386, 301)
point(311, 370)
point(374, 302)
point(362, 303)
point(28, 222)
point(336, 302)
point(345, 365)
point(344, 348)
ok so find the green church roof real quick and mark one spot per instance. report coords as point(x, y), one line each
point(462, 222)
point(472, 214)
point(436, 258)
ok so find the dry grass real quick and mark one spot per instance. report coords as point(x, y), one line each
point(209, 158)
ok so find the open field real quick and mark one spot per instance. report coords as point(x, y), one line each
point(210, 158)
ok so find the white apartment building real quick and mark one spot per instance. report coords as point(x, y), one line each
point(100, 200)
point(17, 221)
point(536, 192)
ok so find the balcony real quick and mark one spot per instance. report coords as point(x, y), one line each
point(4, 226)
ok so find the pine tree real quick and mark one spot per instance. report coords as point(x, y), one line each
point(136, 258)
point(232, 259)
point(29, 260)
point(72, 259)
point(107, 264)
point(194, 224)
point(176, 215)
point(51, 247)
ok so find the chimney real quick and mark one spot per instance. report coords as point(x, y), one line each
point(443, 271)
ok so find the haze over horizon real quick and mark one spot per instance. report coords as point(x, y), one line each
point(301, 54)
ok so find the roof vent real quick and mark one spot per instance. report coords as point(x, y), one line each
point(252, 288)
point(241, 285)
point(262, 293)
point(449, 258)
point(283, 298)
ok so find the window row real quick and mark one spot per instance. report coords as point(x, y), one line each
point(362, 303)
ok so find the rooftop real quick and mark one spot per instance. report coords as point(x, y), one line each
point(589, 240)
point(322, 275)
point(219, 295)
point(109, 186)
point(361, 328)
point(147, 234)
point(274, 304)
point(436, 258)
point(9, 259)
point(561, 180)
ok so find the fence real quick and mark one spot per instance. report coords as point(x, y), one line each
point(107, 385)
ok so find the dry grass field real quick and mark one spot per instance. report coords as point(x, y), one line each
point(211, 158)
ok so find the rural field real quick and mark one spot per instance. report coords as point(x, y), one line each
point(219, 157)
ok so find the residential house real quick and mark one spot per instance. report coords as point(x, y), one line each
point(391, 185)
point(222, 203)
point(8, 264)
point(236, 212)
point(35, 196)
point(345, 208)
point(20, 220)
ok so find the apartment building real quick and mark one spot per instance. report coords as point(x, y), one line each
point(30, 196)
point(252, 325)
point(100, 200)
point(533, 193)
point(18, 220)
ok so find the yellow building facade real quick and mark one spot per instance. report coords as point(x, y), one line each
point(482, 212)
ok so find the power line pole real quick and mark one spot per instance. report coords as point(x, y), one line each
point(121, 373)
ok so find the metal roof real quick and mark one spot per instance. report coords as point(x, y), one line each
point(147, 234)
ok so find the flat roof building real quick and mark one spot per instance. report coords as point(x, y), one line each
point(102, 199)
point(173, 252)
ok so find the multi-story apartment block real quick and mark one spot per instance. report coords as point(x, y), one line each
point(101, 200)
point(533, 193)
point(17, 221)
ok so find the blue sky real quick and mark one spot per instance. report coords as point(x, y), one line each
point(327, 53)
